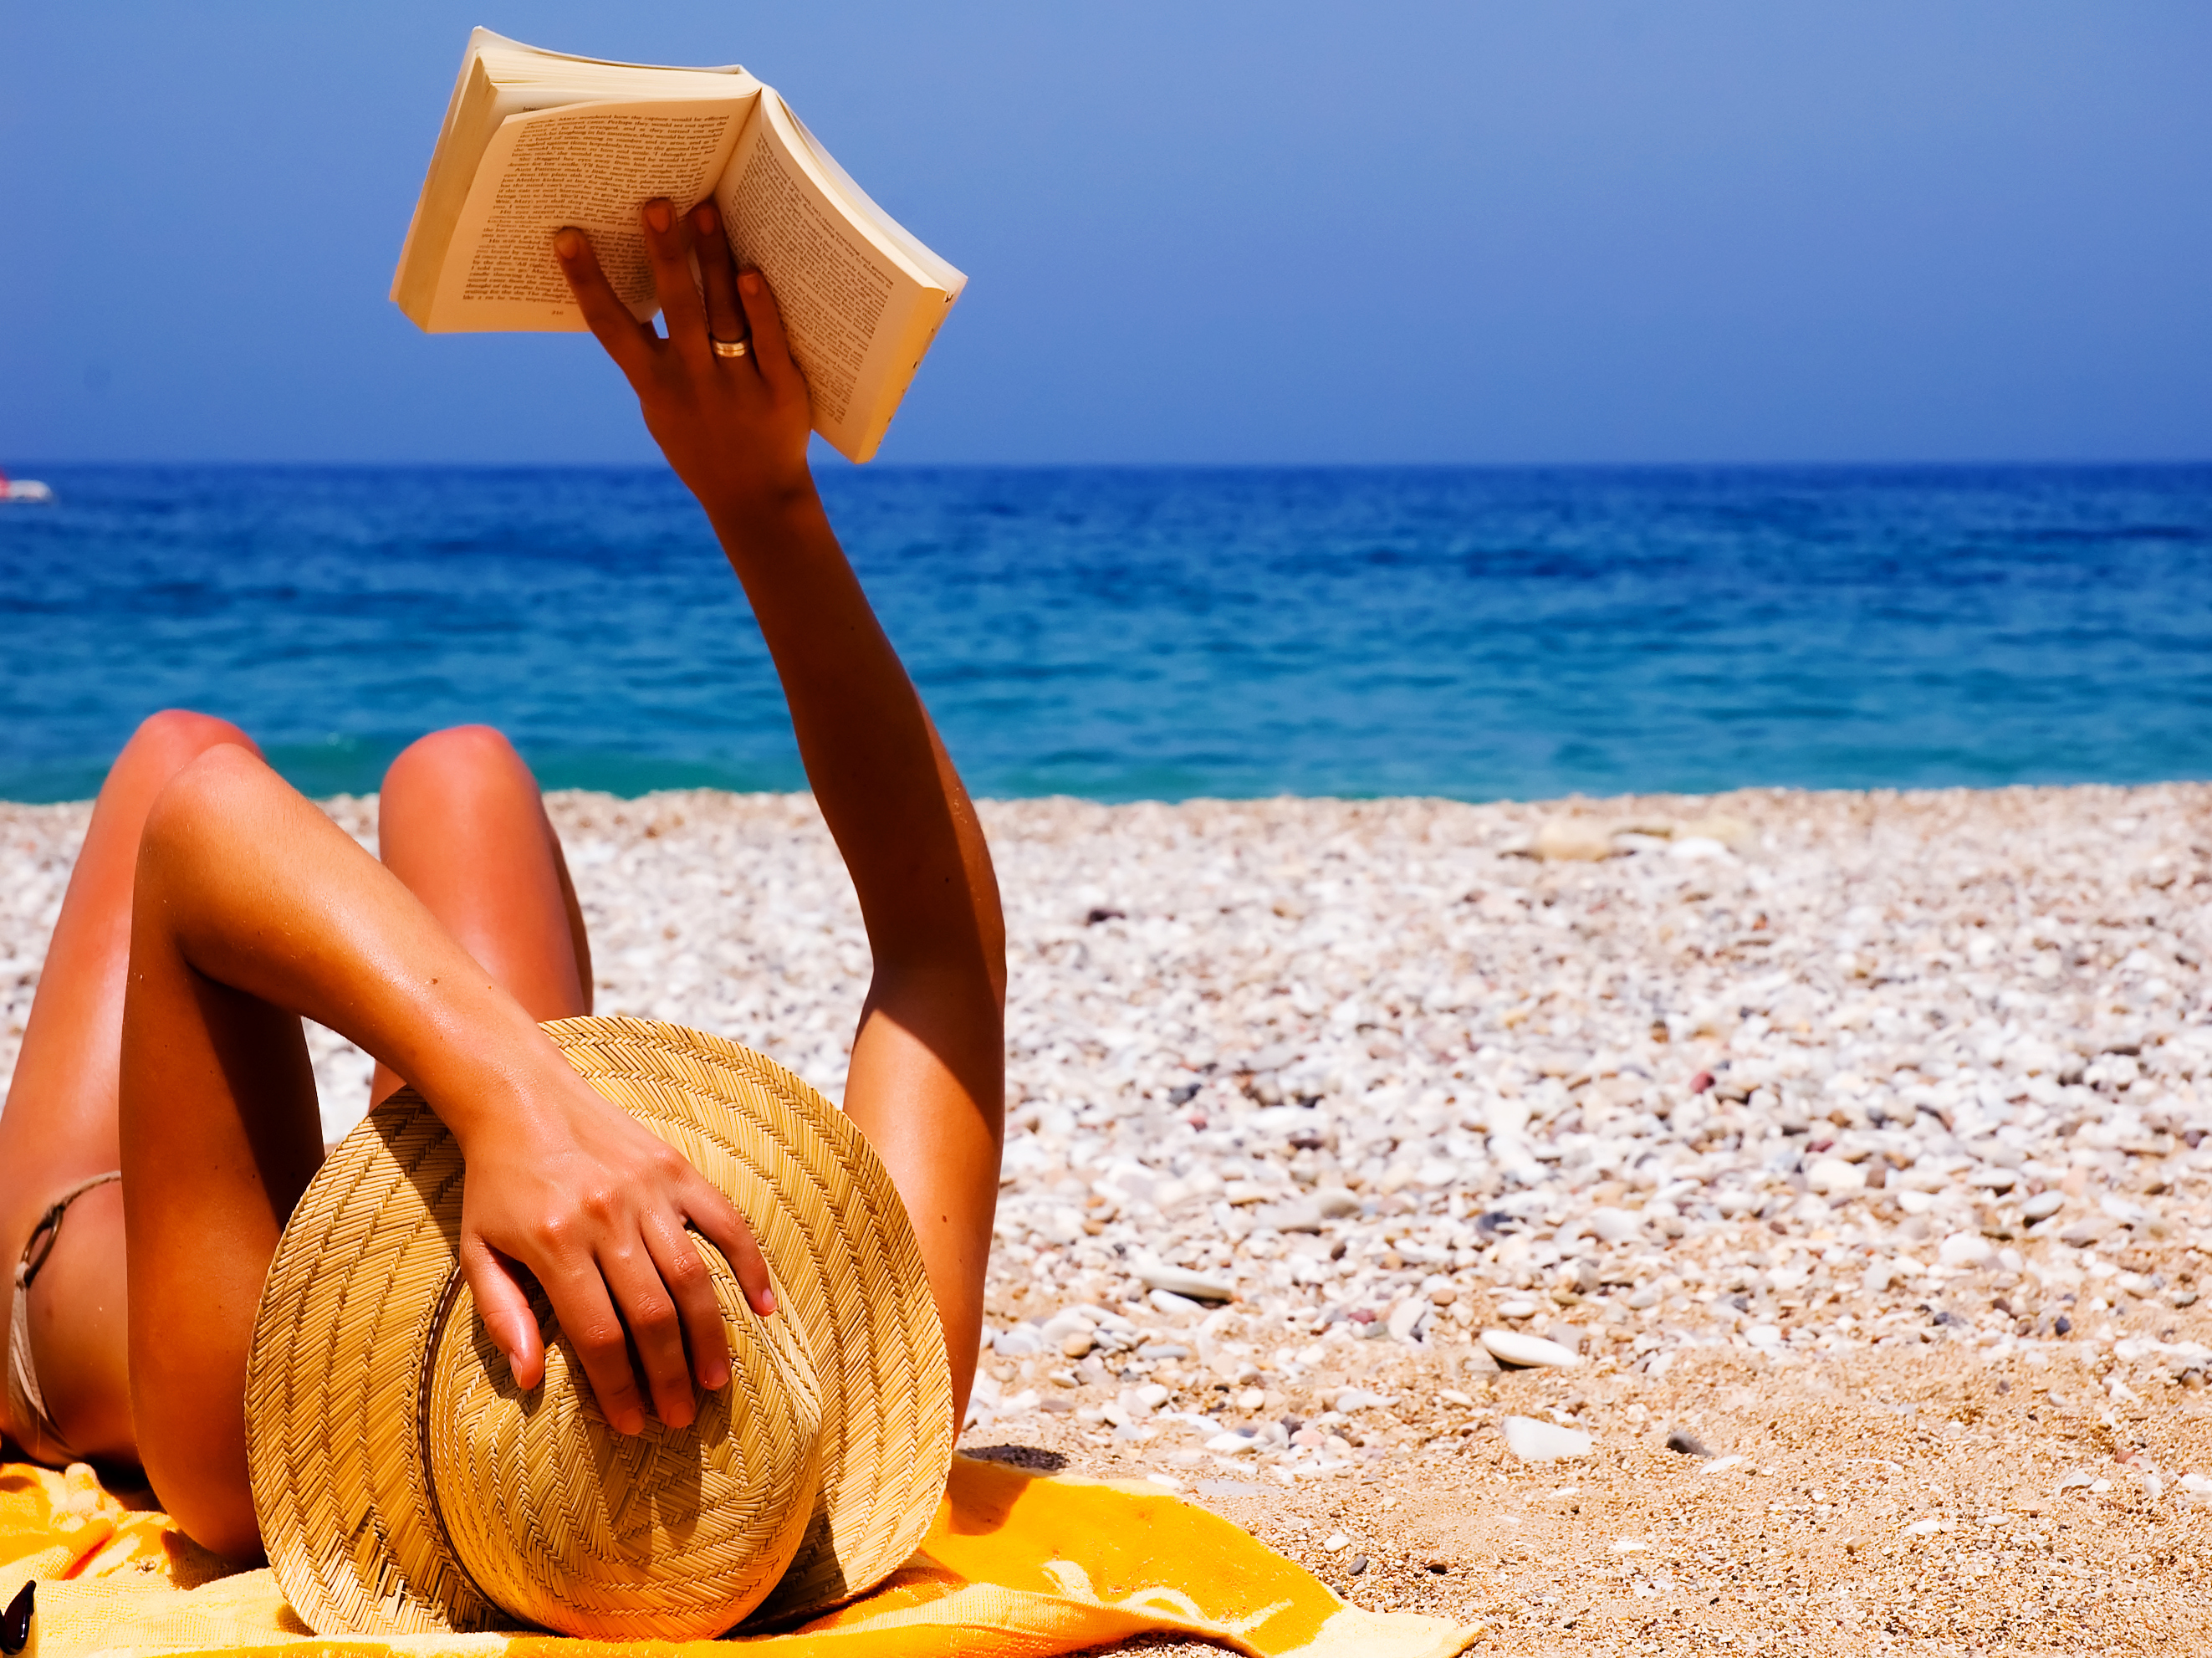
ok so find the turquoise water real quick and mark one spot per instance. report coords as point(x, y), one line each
point(1150, 633)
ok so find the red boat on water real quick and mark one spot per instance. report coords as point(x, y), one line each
point(23, 489)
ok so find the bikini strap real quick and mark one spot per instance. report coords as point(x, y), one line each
point(41, 1243)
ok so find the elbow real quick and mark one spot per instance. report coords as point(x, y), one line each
point(993, 953)
point(991, 934)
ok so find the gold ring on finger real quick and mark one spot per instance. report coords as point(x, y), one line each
point(730, 347)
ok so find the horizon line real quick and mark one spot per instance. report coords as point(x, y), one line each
point(836, 465)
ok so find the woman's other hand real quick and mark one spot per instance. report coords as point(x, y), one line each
point(577, 1191)
point(734, 428)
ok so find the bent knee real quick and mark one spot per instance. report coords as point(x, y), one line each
point(458, 758)
point(212, 786)
point(177, 734)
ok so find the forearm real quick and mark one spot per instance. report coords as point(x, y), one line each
point(927, 1081)
point(886, 788)
point(256, 889)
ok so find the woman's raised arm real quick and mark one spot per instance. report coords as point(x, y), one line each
point(928, 1072)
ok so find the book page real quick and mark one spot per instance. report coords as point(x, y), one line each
point(588, 165)
point(501, 77)
point(832, 293)
point(888, 232)
point(853, 304)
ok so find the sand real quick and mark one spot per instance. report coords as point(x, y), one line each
point(1855, 1135)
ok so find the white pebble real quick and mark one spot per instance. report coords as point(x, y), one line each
point(1968, 1249)
point(1512, 1347)
point(1181, 1282)
point(1828, 1175)
point(1405, 1316)
point(1698, 846)
point(1543, 1441)
point(1617, 1226)
point(1349, 1399)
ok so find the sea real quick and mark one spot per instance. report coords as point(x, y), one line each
point(1148, 633)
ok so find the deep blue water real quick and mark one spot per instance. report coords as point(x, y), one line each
point(1150, 633)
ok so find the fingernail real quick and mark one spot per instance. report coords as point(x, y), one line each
point(568, 243)
point(15, 1622)
point(750, 281)
point(656, 214)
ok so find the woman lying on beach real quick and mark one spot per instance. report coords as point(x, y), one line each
point(162, 1119)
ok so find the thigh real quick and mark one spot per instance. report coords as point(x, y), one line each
point(461, 823)
point(59, 1127)
point(220, 1136)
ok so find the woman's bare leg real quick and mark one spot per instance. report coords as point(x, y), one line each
point(226, 1086)
point(461, 824)
point(60, 1124)
point(220, 1135)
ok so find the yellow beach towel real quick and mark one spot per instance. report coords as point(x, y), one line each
point(1016, 1566)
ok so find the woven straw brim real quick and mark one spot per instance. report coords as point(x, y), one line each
point(336, 1383)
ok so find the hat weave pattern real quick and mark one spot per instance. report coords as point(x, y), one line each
point(372, 1385)
point(566, 1524)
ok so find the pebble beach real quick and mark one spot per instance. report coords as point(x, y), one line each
point(1770, 1221)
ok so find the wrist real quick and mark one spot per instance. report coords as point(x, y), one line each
point(769, 503)
point(493, 1081)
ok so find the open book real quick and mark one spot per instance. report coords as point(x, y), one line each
point(536, 140)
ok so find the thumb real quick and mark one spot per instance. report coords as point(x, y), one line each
point(504, 1306)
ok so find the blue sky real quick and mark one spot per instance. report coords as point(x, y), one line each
point(1710, 230)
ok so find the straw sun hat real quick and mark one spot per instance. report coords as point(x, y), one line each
point(405, 1485)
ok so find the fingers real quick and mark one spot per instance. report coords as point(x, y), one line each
point(587, 1318)
point(649, 1309)
point(765, 317)
point(726, 319)
point(668, 244)
point(504, 1307)
point(685, 1274)
point(628, 341)
point(719, 1223)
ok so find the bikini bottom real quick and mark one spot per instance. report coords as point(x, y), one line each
point(27, 1405)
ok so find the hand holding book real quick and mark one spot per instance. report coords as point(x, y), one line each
point(733, 427)
point(534, 140)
